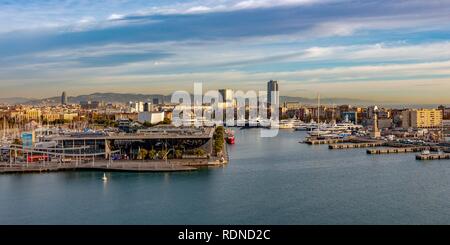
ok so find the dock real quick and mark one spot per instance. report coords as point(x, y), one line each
point(437, 156)
point(394, 150)
point(355, 145)
point(324, 141)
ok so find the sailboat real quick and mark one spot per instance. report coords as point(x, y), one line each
point(104, 177)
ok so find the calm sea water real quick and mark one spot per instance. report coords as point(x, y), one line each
point(268, 181)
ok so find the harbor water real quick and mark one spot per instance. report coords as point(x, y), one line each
point(268, 181)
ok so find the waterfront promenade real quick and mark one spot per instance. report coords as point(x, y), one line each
point(126, 166)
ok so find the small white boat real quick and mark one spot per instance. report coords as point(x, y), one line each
point(425, 152)
point(104, 177)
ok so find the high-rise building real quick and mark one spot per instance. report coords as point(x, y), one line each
point(227, 94)
point(155, 101)
point(227, 98)
point(64, 98)
point(423, 118)
point(272, 88)
point(138, 106)
point(148, 106)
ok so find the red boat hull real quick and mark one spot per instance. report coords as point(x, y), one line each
point(230, 140)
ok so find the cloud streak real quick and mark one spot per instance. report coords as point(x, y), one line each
point(315, 43)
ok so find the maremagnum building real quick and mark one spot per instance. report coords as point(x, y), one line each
point(167, 138)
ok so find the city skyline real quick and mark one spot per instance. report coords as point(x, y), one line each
point(374, 50)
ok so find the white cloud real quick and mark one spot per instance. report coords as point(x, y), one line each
point(115, 17)
point(247, 4)
point(198, 9)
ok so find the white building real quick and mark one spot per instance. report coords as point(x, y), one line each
point(151, 117)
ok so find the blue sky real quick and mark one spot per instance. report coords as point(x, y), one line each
point(396, 51)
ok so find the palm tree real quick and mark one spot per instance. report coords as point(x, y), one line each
point(199, 152)
point(163, 154)
point(178, 153)
point(142, 154)
point(152, 154)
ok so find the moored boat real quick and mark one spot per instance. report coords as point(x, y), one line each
point(229, 136)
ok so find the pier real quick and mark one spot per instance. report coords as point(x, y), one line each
point(437, 156)
point(324, 141)
point(397, 150)
point(356, 145)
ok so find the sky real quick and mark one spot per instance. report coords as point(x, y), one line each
point(380, 50)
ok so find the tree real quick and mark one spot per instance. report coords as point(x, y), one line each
point(152, 154)
point(219, 139)
point(147, 124)
point(199, 152)
point(142, 154)
point(162, 154)
point(178, 153)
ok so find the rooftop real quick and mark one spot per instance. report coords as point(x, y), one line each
point(150, 133)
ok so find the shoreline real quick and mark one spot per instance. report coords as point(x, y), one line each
point(173, 165)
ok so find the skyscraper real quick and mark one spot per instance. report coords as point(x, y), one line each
point(148, 106)
point(64, 98)
point(227, 98)
point(227, 94)
point(272, 86)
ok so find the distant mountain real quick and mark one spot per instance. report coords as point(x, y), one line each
point(327, 101)
point(103, 97)
point(14, 100)
point(127, 97)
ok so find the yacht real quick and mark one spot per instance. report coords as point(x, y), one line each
point(319, 132)
point(306, 126)
point(285, 124)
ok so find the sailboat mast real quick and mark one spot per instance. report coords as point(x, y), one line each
point(318, 109)
point(332, 116)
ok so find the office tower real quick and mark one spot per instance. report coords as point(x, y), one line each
point(227, 95)
point(64, 98)
point(272, 88)
point(148, 106)
point(227, 98)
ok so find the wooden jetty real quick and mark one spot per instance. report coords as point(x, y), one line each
point(394, 150)
point(356, 145)
point(324, 141)
point(434, 156)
